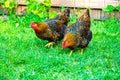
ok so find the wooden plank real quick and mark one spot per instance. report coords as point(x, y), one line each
point(111, 2)
point(20, 9)
point(5, 11)
point(22, 2)
point(95, 14)
point(55, 9)
point(117, 15)
point(80, 3)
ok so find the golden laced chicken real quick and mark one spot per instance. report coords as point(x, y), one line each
point(52, 29)
point(78, 34)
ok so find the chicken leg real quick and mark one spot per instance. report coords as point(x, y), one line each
point(71, 52)
point(50, 44)
point(81, 51)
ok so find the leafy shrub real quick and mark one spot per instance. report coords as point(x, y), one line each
point(1, 2)
point(73, 19)
point(111, 8)
point(36, 11)
point(9, 5)
point(118, 8)
point(52, 14)
point(39, 9)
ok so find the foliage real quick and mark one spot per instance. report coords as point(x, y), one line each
point(1, 2)
point(39, 9)
point(24, 20)
point(73, 19)
point(24, 57)
point(62, 8)
point(111, 8)
point(118, 8)
point(1, 12)
point(36, 12)
point(52, 14)
point(10, 6)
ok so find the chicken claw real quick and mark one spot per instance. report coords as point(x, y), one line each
point(71, 52)
point(49, 44)
point(81, 51)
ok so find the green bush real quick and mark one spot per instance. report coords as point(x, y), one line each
point(36, 11)
point(111, 8)
point(39, 9)
point(10, 6)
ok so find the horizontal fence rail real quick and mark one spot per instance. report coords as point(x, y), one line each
point(95, 5)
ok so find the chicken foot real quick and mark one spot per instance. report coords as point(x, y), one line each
point(71, 52)
point(81, 51)
point(50, 44)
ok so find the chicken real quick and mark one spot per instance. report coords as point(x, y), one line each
point(52, 29)
point(85, 20)
point(79, 33)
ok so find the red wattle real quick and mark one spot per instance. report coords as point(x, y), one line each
point(63, 45)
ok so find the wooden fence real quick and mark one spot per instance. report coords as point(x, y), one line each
point(80, 3)
point(95, 5)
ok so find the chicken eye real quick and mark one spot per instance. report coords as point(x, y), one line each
point(35, 25)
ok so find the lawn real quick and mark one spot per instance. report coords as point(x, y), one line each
point(24, 57)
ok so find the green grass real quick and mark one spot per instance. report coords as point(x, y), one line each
point(24, 57)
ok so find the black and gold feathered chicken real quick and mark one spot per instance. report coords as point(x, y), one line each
point(79, 33)
point(52, 29)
